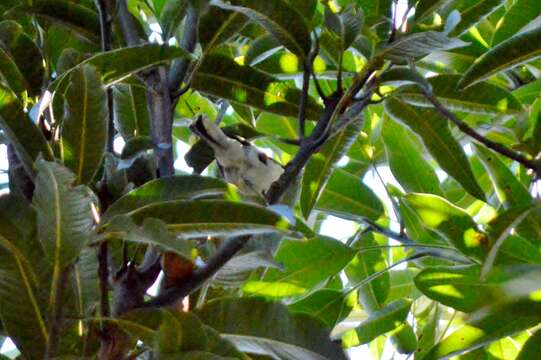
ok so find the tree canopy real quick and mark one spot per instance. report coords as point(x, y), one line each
point(415, 122)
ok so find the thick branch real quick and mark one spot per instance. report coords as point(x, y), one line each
point(466, 129)
point(158, 99)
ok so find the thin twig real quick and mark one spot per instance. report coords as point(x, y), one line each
point(304, 98)
point(534, 165)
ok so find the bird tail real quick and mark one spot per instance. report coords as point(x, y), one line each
point(209, 132)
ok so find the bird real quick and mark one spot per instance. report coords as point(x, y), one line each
point(241, 163)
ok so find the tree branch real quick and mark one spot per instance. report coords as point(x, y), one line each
point(466, 129)
point(304, 98)
point(177, 73)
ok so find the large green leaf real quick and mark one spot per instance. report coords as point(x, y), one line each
point(435, 133)
point(486, 328)
point(306, 264)
point(64, 213)
point(516, 50)
point(330, 306)
point(516, 17)
point(188, 187)
point(269, 329)
point(261, 48)
point(21, 301)
point(217, 26)
point(457, 286)
point(152, 232)
point(481, 98)
point(346, 196)
point(449, 221)
point(76, 17)
point(406, 162)
point(381, 321)
point(426, 8)
point(84, 130)
point(20, 49)
point(11, 74)
point(279, 18)
point(345, 25)
point(320, 166)
point(18, 128)
point(171, 16)
point(174, 334)
point(239, 268)
point(222, 77)
point(211, 217)
point(419, 45)
point(118, 64)
point(509, 189)
point(131, 111)
point(372, 295)
point(531, 348)
point(472, 12)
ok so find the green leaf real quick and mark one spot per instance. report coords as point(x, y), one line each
point(188, 187)
point(435, 133)
point(18, 128)
point(84, 130)
point(348, 197)
point(222, 77)
point(509, 189)
point(403, 339)
point(118, 64)
point(449, 221)
point(330, 306)
point(486, 328)
point(346, 25)
point(306, 263)
point(381, 321)
point(21, 50)
point(151, 231)
point(426, 8)
point(261, 48)
point(406, 162)
point(11, 74)
point(239, 268)
point(217, 26)
point(531, 348)
point(171, 17)
point(65, 218)
point(279, 18)
point(76, 17)
point(131, 111)
point(528, 93)
point(404, 75)
point(211, 218)
point(320, 166)
point(428, 332)
point(516, 17)
point(481, 98)
point(269, 329)
point(21, 299)
point(372, 296)
point(457, 286)
point(472, 12)
point(516, 50)
point(418, 45)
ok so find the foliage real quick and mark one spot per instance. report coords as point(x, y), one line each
point(415, 122)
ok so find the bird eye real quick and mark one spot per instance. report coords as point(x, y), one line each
point(262, 157)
